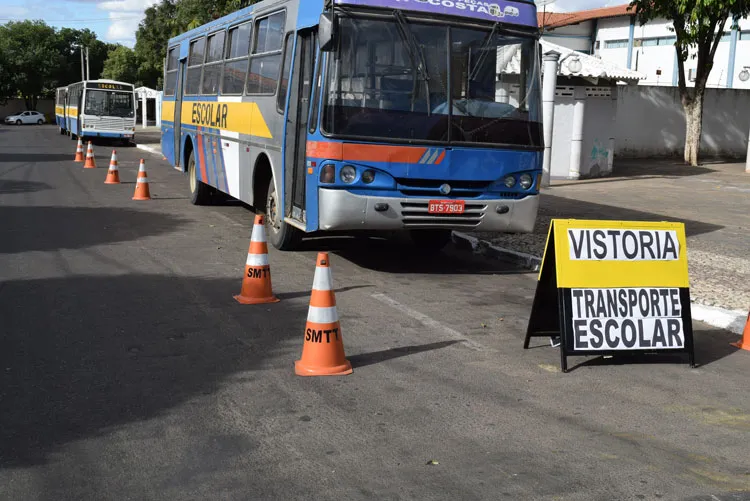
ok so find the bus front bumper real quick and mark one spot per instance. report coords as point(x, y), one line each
point(341, 210)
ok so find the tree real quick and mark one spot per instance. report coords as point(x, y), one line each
point(29, 49)
point(121, 65)
point(698, 25)
point(167, 19)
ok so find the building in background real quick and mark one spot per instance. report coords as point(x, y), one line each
point(615, 35)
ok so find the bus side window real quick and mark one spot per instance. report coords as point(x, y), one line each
point(213, 66)
point(195, 66)
point(266, 59)
point(235, 65)
point(170, 83)
point(284, 83)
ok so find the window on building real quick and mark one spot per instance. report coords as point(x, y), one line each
point(235, 65)
point(616, 44)
point(658, 41)
point(195, 66)
point(266, 59)
point(745, 35)
point(726, 36)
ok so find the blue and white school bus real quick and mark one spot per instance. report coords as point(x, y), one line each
point(61, 97)
point(99, 108)
point(378, 115)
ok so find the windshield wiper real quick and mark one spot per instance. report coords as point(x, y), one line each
point(415, 53)
point(483, 52)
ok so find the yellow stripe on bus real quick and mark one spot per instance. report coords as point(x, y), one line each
point(244, 118)
point(59, 110)
point(167, 111)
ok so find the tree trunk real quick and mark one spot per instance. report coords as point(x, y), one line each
point(693, 128)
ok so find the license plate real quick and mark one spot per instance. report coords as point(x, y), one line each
point(446, 207)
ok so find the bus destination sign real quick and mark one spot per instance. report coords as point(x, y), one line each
point(520, 13)
point(108, 86)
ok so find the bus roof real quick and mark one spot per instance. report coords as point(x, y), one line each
point(518, 12)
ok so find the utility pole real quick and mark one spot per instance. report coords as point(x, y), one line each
point(88, 73)
point(83, 70)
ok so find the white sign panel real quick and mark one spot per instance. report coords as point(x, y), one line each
point(623, 245)
point(627, 319)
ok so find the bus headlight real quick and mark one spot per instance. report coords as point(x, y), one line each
point(526, 181)
point(348, 174)
point(510, 181)
point(368, 176)
point(327, 174)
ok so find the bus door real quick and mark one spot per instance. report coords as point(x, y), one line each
point(178, 112)
point(297, 125)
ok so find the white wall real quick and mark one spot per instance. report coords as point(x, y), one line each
point(598, 128)
point(650, 122)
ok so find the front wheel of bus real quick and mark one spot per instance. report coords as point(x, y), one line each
point(281, 235)
point(430, 241)
point(200, 193)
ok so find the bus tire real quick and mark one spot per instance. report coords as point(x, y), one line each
point(430, 241)
point(282, 235)
point(200, 193)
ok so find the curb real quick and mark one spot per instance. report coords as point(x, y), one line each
point(722, 318)
point(151, 149)
point(528, 261)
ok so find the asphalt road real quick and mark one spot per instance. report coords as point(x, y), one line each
point(128, 372)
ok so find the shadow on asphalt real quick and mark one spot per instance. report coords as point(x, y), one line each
point(711, 345)
point(53, 228)
point(38, 157)
point(397, 255)
point(14, 186)
point(376, 357)
point(567, 208)
point(84, 355)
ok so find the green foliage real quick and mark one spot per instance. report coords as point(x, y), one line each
point(121, 65)
point(167, 19)
point(29, 53)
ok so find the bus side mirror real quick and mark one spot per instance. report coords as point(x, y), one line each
point(326, 34)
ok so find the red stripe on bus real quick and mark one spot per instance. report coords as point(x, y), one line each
point(440, 158)
point(202, 158)
point(364, 152)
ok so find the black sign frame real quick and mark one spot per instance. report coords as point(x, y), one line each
point(552, 316)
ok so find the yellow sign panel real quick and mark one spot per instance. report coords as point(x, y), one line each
point(619, 253)
point(59, 110)
point(244, 118)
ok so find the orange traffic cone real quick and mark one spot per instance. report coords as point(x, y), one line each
point(323, 350)
point(744, 343)
point(113, 175)
point(141, 184)
point(90, 160)
point(79, 152)
point(256, 285)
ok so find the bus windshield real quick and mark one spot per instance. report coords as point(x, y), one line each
point(108, 103)
point(399, 80)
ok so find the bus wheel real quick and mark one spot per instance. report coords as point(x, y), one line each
point(200, 193)
point(281, 235)
point(430, 241)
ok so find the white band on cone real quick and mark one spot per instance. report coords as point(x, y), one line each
point(257, 260)
point(142, 180)
point(322, 280)
point(259, 234)
point(322, 315)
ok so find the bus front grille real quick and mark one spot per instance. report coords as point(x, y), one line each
point(106, 124)
point(431, 187)
point(416, 215)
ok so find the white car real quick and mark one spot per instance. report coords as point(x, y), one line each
point(27, 117)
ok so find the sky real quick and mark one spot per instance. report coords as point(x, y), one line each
point(116, 21)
